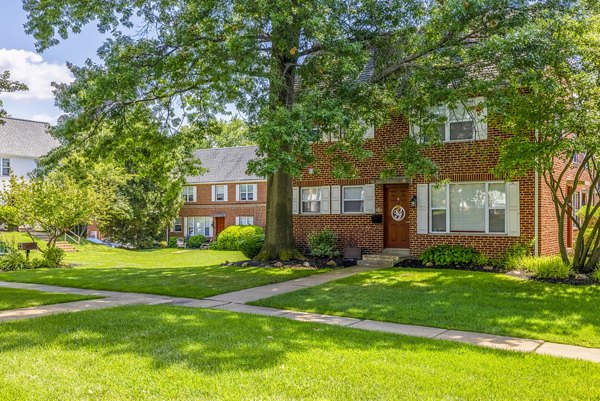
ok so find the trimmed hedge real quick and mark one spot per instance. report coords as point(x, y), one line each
point(230, 238)
point(195, 241)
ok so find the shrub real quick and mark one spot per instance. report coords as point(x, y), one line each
point(196, 241)
point(3, 247)
point(14, 260)
point(162, 244)
point(230, 238)
point(453, 255)
point(9, 216)
point(511, 258)
point(251, 245)
point(54, 257)
point(172, 242)
point(546, 266)
point(322, 244)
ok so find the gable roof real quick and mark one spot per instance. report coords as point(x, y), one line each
point(25, 138)
point(225, 165)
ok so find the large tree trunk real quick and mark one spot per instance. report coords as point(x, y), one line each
point(279, 235)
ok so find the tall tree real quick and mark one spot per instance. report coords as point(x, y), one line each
point(297, 70)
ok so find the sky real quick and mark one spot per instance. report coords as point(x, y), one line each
point(18, 55)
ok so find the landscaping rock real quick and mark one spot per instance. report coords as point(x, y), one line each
point(245, 264)
point(429, 264)
point(278, 264)
point(331, 263)
point(306, 264)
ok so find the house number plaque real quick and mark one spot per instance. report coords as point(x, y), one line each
point(398, 213)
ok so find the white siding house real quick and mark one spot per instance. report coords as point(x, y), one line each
point(22, 144)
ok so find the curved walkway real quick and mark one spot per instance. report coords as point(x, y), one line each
point(236, 302)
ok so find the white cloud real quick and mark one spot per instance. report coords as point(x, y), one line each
point(31, 69)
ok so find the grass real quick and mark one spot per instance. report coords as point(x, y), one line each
point(175, 272)
point(545, 266)
point(175, 353)
point(472, 301)
point(15, 298)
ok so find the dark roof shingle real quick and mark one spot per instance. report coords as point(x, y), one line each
point(225, 165)
point(25, 138)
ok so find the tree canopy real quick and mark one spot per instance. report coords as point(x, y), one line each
point(297, 71)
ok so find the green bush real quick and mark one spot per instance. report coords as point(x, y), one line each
point(453, 255)
point(162, 244)
point(251, 245)
point(230, 238)
point(323, 244)
point(172, 243)
point(511, 258)
point(54, 256)
point(3, 247)
point(195, 241)
point(546, 266)
point(14, 260)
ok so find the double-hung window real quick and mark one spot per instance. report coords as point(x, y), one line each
point(219, 194)
point(199, 225)
point(311, 200)
point(353, 199)
point(468, 208)
point(177, 225)
point(188, 194)
point(247, 192)
point(5, 167)
point(245, 220)
point(459, 122)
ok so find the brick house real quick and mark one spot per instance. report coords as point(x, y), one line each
point(406, 216)
point(223, 196)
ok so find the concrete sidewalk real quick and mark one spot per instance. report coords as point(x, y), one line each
point(236, 302)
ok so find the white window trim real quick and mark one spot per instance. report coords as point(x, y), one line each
point(477, 136)
point(239, 220)
point(302, 201)
point(239, 192)
point(224, 193)
point(185, 194)
point(2, 167)
point(486, 213)
point(342, 199)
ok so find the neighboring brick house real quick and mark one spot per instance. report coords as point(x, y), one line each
point(474, 209)
point(223, 196)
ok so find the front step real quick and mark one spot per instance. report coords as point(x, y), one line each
point(380, 260)
point(65, 246)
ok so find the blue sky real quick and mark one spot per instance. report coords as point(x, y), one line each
point(17, 54)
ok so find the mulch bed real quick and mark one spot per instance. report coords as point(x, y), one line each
point(308, 263)
point(579, 279)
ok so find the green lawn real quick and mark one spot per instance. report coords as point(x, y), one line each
point(13, 298)
point(472, 301)
point(176, 272)
point(175, 353)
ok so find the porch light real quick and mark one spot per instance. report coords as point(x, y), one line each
point(413, 201)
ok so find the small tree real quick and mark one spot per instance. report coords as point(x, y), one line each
point(56, 203)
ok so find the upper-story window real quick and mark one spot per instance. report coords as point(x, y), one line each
point(247, 192)
point(462, 122)
point(188, 194)
point(311, 200)
point(219, 193)
point(353, 199)
point(5, 167)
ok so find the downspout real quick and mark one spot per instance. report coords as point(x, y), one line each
point(536, 207)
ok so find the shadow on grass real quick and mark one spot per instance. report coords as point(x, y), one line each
point(473, 301)
point(208, 341)
point(193, 282)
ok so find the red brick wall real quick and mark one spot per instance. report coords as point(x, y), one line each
point(205, 207)
point(549, 244)
point(458, 161)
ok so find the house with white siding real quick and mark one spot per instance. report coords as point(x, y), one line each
point(22, 144)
